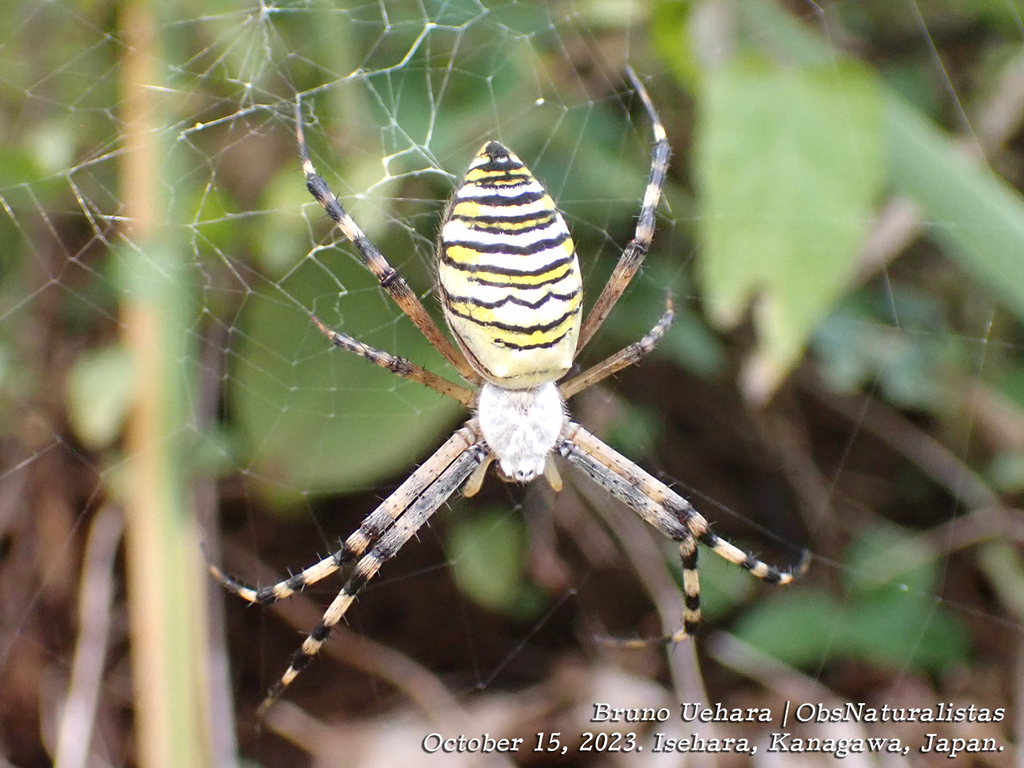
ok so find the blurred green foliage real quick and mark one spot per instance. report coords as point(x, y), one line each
point(789, 166)
point(911, 364)
point(794, 144)
point(488, 552)
point(887, 616)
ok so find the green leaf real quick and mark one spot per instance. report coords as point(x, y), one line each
point(317, 419)
point(672, 38)
point(799, 627)
point(488, 554)
point(976, 216)
point(99, 393)
point(904, 631)
point(885, 560)
point(859, 346)
point(891, 616)
point(1006, 471)
point(790, 163)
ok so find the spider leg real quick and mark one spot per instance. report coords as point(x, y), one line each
point(392, 282)
point(621, 359)
point(397, 365)
point(435, 488)
point(602, 467)
point(633, 256)
point(369, 532)
point(666, 510)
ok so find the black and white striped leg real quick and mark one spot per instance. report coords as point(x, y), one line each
point(623, 358)
point(388, 277)
point(418, 510)
point(667, 511)
point(373, 526)
point(691, 586)
point(634, 253)
point(397, 365)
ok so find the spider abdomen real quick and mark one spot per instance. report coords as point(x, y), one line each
point(510, 279)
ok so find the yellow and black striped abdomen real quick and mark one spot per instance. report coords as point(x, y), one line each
point(510, 280)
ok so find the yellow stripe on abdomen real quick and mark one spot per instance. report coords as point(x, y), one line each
point(510, 279)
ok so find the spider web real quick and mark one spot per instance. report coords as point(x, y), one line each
point(892, 452)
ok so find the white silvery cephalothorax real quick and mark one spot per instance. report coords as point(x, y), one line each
point(521, 426)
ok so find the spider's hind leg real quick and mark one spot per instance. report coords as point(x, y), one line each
point(691, 605)
point(728, 551)
point(282, 589)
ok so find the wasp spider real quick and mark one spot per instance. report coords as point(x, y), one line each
point(511, 291)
